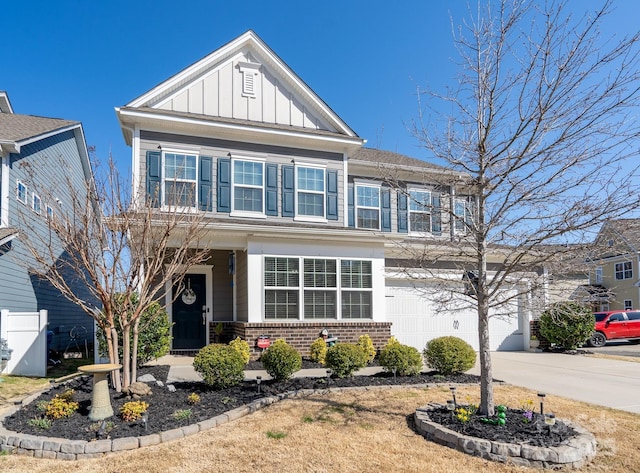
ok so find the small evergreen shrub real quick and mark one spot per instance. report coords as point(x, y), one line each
point(366, 345)
point(405, 359)
point(345, 358)
point(182, 414)
point(62, 405)
point(41, 423)
point(449, 355)
point(133, 410)
point(318, 350)
point(242, 347)
point(221, 366)
point(567, 324)
point(281, 360)
point(392, 341)
point(193, 399)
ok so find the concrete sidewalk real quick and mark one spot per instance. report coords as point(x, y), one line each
point(605, 382)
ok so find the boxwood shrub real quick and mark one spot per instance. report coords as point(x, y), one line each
point(449, 355)
point(567, 324)
point(220, 366)
point(318, 350)
point(281, 360)
point(345, 358)
point(405, 359)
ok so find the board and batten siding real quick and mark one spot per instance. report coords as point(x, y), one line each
point(49, 168)
point(219, 93)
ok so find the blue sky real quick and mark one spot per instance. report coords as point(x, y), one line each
point(80, 59)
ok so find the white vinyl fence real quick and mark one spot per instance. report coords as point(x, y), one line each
point(26, 335)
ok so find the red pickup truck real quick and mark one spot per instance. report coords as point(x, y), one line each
point(616, 324)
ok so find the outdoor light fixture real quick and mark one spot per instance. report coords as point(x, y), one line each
point(394, 369)
point(329, 372)
point(550, 419)
point(258, 381)
point(451, 406)
point(541, 396)
point(453, 393)
point(145, 419)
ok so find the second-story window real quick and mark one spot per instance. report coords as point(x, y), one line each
point(310, 191)
point(419, 211)
point(598, 275)
point(180, 178)
point(463, 211)
point(624, 270)
point(36, 203)
point(368, 207)
point(21, 192)
point(248, 186)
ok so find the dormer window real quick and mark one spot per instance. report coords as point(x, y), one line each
point(249, 71)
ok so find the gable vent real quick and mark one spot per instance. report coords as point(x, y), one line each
point(249, 71)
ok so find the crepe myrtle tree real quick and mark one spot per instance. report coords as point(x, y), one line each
point(117, 249)
point(541, 130)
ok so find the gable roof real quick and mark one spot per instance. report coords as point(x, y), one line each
point(213, 88)
point(382, 157)
point(623, 233)
point(5, 104)
point(18, 130)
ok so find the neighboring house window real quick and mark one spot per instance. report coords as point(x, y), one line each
point(624, 270)
point(36, 203)
point(21, 192)
point(248, 186)
point(320, 287)
point(424, 212)
point(599, 275)
point(604, 307)
point(357, 289)
point(180, 179)
point(281, 288)
point(310, 191)
point(368, 207)
point(628, 304)
point(463, 211)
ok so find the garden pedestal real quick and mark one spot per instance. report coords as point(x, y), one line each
point(101, 399)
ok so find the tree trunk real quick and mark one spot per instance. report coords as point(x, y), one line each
point(486, 372)
point(126, 356)
point(115, 375)
point(134, 350)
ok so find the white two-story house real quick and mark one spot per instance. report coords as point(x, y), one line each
point(305, 225)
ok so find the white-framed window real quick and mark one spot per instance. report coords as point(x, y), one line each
point(248, 186)
point(628, 304)
point(598, 275)
point(356, 282)
point(281, 288)
point(49, 212)
point(604, 307)
point(310, 192)
point(463, 212)
point(317, 288)
point(180, 174)
point(419, 211)
point(624, 270)
point(36, 203)
point(367, 202)
point(21, 192)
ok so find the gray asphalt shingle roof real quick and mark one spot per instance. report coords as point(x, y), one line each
point(379, 156)
point(16, 128)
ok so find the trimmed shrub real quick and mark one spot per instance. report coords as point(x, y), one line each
point(567, 324)
point(154, 333)
point(405, 359)
point(345, 358)
point(392, 341)
point(62, 405)
point(242, 347)
point(318, 350)
point(221, 366)
point(366, 345)
point(449, 355)
point(281, 360)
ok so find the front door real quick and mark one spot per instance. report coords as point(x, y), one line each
point(189, 321)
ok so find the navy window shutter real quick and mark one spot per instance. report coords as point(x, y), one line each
point(153, 178)
point(271, 190)
point(332, 195)
point(288, 190)
point(224, 185)
point(350, 206)
point(436, 214)
point(385, 195)
point(205, 184)
point(402, 213)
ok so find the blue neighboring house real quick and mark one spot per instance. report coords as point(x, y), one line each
point(39, 156)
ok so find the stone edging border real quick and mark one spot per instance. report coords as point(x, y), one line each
point(575, 453)
point(64, 449)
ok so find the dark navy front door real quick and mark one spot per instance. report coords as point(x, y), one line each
point(188, 313)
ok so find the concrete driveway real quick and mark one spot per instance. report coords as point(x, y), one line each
point(605, 382)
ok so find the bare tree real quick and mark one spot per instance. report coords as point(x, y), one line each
point(542, 128)
point(113, 250)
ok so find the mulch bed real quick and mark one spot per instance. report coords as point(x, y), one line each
point(515, 430)
point(163, 404)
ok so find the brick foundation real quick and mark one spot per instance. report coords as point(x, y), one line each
point(301, 335)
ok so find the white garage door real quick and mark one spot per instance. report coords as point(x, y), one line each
point(416, 319)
